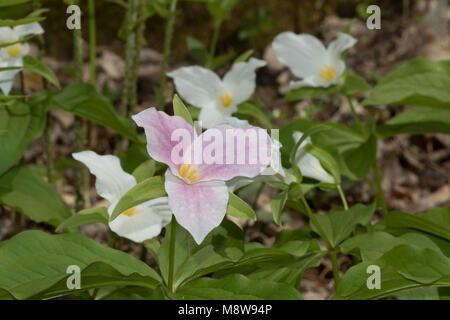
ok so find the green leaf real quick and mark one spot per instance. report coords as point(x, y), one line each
point(26, 192)
point(244, 56)
point(146, 190)
point(237, 287)
point(420, 83)
point(354, 85)
point(145, 170)
point(435, 221)
point(219, 9)
point(417, 121)
point(360, 160)
point(19, 125)
point(310, 92)
point(84, 101)
point(252, 109)
point(327, 161)
point(220, 249)
point(34, 65)
point(239, 208)
point(277, 204)
point(338, 224)
point(402, 268)
point(198, 50)
point(13, 23)
point(34, 264)
point(87, 216)
point(179, 109)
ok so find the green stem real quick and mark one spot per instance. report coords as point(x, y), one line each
point(376, 173)
point(166, 53)
point(342, 195)
point(357, 119)
point(22, 86)
point(212, 48)
point(139, 39)
point(113, 241)
point(17, 222)
point(92, 44)
point(172, 254)
point(315, 221)
point(336, 276)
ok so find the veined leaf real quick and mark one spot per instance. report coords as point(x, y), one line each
point(239, 208)
point(93, 215)
point(34, 65)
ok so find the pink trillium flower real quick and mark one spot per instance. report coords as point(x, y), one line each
point(197, 192)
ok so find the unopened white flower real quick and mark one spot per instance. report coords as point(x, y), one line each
point(309, 60)
point(12, 56)
point(217, 98)
point(271, 172)
point(308, 164)
point(139, 223)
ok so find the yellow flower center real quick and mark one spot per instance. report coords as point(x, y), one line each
point(226, 100)
point(14, 50)
point(186, 172)
point(327, 73)
point(129, 212)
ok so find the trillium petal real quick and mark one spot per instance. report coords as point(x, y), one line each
point(240, 81)
point(309, 165)
point(198, 208)
point(7, 35)
point(302, 53)
point(213, 115)
point(198, 86)
point(145, 221)
point(228, 152)
point(112, 182)
point(24, 30)
point(7, 80)
point(160, 130)
point(343, 42)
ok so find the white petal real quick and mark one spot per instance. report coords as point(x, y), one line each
point(145, 222)
point(27, 29)
point(238, 123)
point(213, 115)
point(340, 44)
point(240, 81)
point(198, 86)
point(302, 53)
point(308, 164)
point(7, 35)
point(112, 182)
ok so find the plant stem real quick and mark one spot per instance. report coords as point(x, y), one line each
point(22, 86)
point(173, 227)
point(139, 39)
point(79, 144)
point(166, 53)
point(212, 48)
point(336, 276)
point(112, 242)
point(314, 221)
point(342, 195)
point(376, 173)
point(357, 119)
point(92, 44)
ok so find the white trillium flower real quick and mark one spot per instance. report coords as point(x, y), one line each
point(270, 173)
point(309, 60)
point(12, 56)
point(139, 223)
point(217, 98)
point(308, 164)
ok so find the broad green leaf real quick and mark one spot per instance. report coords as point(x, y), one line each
point(419, 82)
point(20, 124)
point(354, 85)
point(244, 56)
point(417, 121)
point(239, 208)
point(148, 189)
point(277, 204)
point(34, 65)
point(179, 109)
point(360, 160)
point(253, 109)
point(84, 101)
point(13, 23)
point(338, 224)
point(220, 249)
point(435, 221)
point(402, 268)
point(310, 92)
point(145, 170)
point(26, 192)
point(198, 50)
point(237, 287)
point(34, 264)
point(93, 215)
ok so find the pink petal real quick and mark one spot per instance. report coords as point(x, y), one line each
point(198, 208)
point(159, 128)
point(242, 158)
